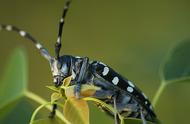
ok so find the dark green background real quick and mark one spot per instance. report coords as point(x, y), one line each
point(131, 36)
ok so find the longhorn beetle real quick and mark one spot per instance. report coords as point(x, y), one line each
point(116, 90)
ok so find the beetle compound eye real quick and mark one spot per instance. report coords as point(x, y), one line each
point(58, 65)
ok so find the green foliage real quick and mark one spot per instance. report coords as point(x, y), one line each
point(12, 89)
point(48, 121)
point(18, 112)
point(15, 99)
point(15, 96)
point(13, 84)
point(177, 64)
point(175, 69)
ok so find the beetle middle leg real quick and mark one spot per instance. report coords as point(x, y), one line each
point(116, 114)
point(142, 117)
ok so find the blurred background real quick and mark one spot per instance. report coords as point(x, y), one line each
point(133, 37)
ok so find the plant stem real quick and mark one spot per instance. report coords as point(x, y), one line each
point(101, 102)
point(35, 98)
point(41, 101)
point(158, 93)
point(36, 111)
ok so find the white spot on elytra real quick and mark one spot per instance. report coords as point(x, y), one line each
point(105, 71)
point(58, 40)
point(130, 89)
point(22, 33)
point(78, 57)
point(38, 45)
point(61, 20)
point(131, 84)
point(8, 27)
point(115, 80)
point(146, 102)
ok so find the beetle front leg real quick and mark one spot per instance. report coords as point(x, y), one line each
point(77, 90)
point(53, 112)
point(82, 73)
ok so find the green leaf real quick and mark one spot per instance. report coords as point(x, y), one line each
point(67, 81)
point(175, 69)
point(177, 64)
point(55, 96)
point(14, 82)
point(76, 111)
point(18, 112)
point(48, 121)
point(53, 88)
point(103, 104)
point(86, 90)
point(13, 85)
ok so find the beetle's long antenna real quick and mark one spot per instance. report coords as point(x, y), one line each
point(61, 24)
point(24, 34)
